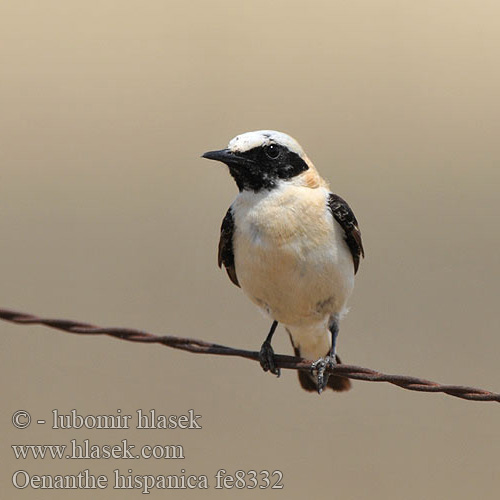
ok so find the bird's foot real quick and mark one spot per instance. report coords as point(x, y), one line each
point(266, 358)
point(320, 366)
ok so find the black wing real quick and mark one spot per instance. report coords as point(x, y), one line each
point(343, 214)
point(226, 255)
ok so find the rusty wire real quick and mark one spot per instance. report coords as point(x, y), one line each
point(282, 361)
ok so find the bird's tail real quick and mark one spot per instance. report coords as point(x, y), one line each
point(308, 380)
point(336, 383)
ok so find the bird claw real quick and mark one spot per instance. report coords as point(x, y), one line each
point(266, 358)
point(320, 366)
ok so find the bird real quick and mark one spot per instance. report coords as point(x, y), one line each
point(292, 246)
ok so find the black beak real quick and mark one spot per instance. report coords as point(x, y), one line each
point(226, 156)
point(222, 155)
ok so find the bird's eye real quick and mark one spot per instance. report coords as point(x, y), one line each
point(272, 151)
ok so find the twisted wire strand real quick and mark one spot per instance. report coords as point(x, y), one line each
point(282, 361)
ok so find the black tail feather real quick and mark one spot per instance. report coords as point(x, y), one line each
point(308, 381)
point(336, 383)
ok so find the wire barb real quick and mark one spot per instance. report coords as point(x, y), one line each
point(282, 361)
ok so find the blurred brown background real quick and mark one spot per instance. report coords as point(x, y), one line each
point(108, 215)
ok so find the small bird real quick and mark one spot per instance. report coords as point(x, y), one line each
point(292, 246)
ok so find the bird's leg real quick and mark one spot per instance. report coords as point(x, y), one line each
point(266, 354)
point(320, 365)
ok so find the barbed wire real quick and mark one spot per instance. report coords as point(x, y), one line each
point(282, 361)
